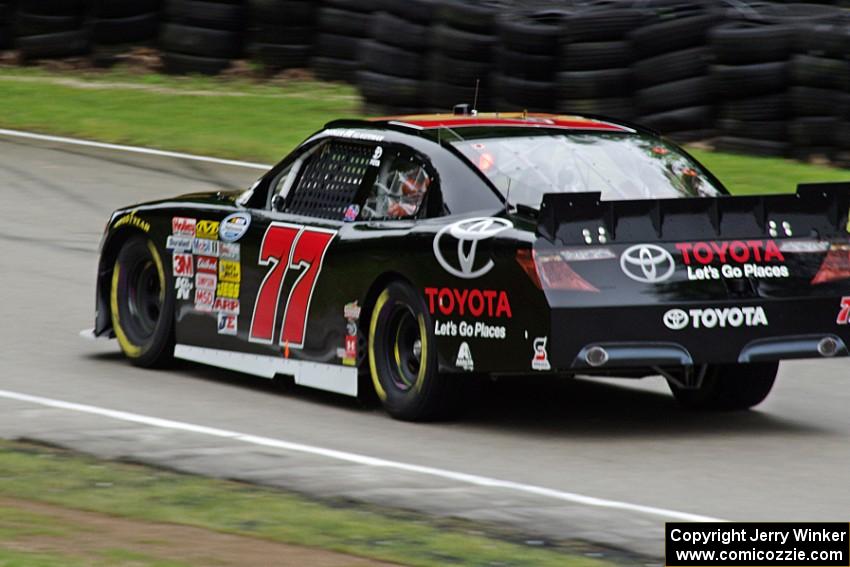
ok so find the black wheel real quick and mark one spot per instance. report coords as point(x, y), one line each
point(730, 387)
point(403, 357)
point(142, 307)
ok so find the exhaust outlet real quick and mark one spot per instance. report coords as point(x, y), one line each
point(827, 346)
point(596, 356)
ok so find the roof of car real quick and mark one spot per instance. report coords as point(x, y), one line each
point(499, 119)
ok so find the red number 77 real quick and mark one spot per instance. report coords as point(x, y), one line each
point(845, 311)
point(285, 247)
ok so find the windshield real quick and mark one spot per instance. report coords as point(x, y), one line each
point(620, 166)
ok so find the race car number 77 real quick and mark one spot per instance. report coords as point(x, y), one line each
point(288, 247)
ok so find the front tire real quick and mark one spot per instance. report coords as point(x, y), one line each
point(142, 304)
point(732, 387)
point(403, 358)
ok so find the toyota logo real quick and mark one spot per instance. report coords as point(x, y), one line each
point(647, 263)
point(676, 319)
point(468, 233)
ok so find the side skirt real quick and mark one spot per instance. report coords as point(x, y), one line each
point(330, 377)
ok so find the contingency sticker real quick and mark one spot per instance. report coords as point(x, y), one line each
point(182, 226)
point(208, 264)
point(205, 247)
point(230, 250)
point(227, 324)
point(207, 229)
point(229, 271)
point(182, 265)
point(183, 287)
point(204, 299)
point(228, 289)
point(234, 226)
point(226, 305)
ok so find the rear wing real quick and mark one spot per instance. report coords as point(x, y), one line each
point(818, 210)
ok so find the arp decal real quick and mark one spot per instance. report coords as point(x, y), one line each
point(207, 229)
point(464, 358)
point(473, 302)
point(227, 324)
point(183, 287)
point(182, 226)
point(182, 265)
point(179, 243)
point(132, 220)
point(737, 259)
point(204, 299)
point(205, 280)
point(288, 247)
point(476, 330)
point(230, 250)
point(228, 289)
point(464, 237)
point(540, 359)
point(208, 264)
point(226, 305)
point(204, 247)
point(229, 271)
point(234, 227)
point(844, 312)
point(715, 317)
point(647, 263)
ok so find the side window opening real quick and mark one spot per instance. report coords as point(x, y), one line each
point(399, 189)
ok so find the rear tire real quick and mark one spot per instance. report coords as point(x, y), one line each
point(142, 304)
point(731, 387)
point(403, 358)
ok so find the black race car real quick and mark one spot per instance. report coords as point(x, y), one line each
point(412, 251)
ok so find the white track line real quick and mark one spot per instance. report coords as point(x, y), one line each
point(131, 149)
point(358, 459)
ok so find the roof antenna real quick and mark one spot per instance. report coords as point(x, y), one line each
point(475, 100)
point(508, 196)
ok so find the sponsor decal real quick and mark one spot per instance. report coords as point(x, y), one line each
point(133, 220)
point(476, 330)
point(226, 305)
point(179, 243)
point(228, 289)
point(715, 317)
point(354, 134)
point(350, 351)
point(351, 213)
point(227, 324)
point(182, 226)
point(647, 263)
point(540, 360)
point(206, 281)
point(736, 259)
point(804, 246)
point(844, 312)
point(204, 299)
point(234, 227)
point(475, 302)
point(207, 264)
point(464, 237)
point(584, 254)
point(205, 247)
point(182, 265)
point(207, 229)
point(229, 271)
point(184, 287)
point(376, 157)
point(229, 250)
point(464, 358)
point(351, 310)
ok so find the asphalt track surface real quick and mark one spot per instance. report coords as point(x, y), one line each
point(605, 461)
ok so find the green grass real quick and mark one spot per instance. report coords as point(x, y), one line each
point(251, 120)
point(61, 478)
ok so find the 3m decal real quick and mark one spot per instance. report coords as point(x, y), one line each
point(475, 302)
point(464, 358)
point(205, 247)
point(182, 265)
point(183, 287)
point(205, 280)
point(464, 237)
point(540, 359)
point(207, 229)
point(476, 330)
point(179, 243)
point(288, 247)
point(229, 271)
point(715, 317)
point(226, 305)
point(183, 226)
point(844, 312)
point(234, 227)
point(230, 250)
point(132, 220)
point(228, 289)
point(227, 324)
point(204, 299)
point(647, 263)
point(208, 264)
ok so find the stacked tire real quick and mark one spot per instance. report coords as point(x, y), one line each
point(342, 27)
point(527, 59)
point(394, 62)
point(202, 36)
point(51, 28)
point(594, 74)
point(117, 25)
point(282, 32)
point(464, 40)
point(673, 89)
